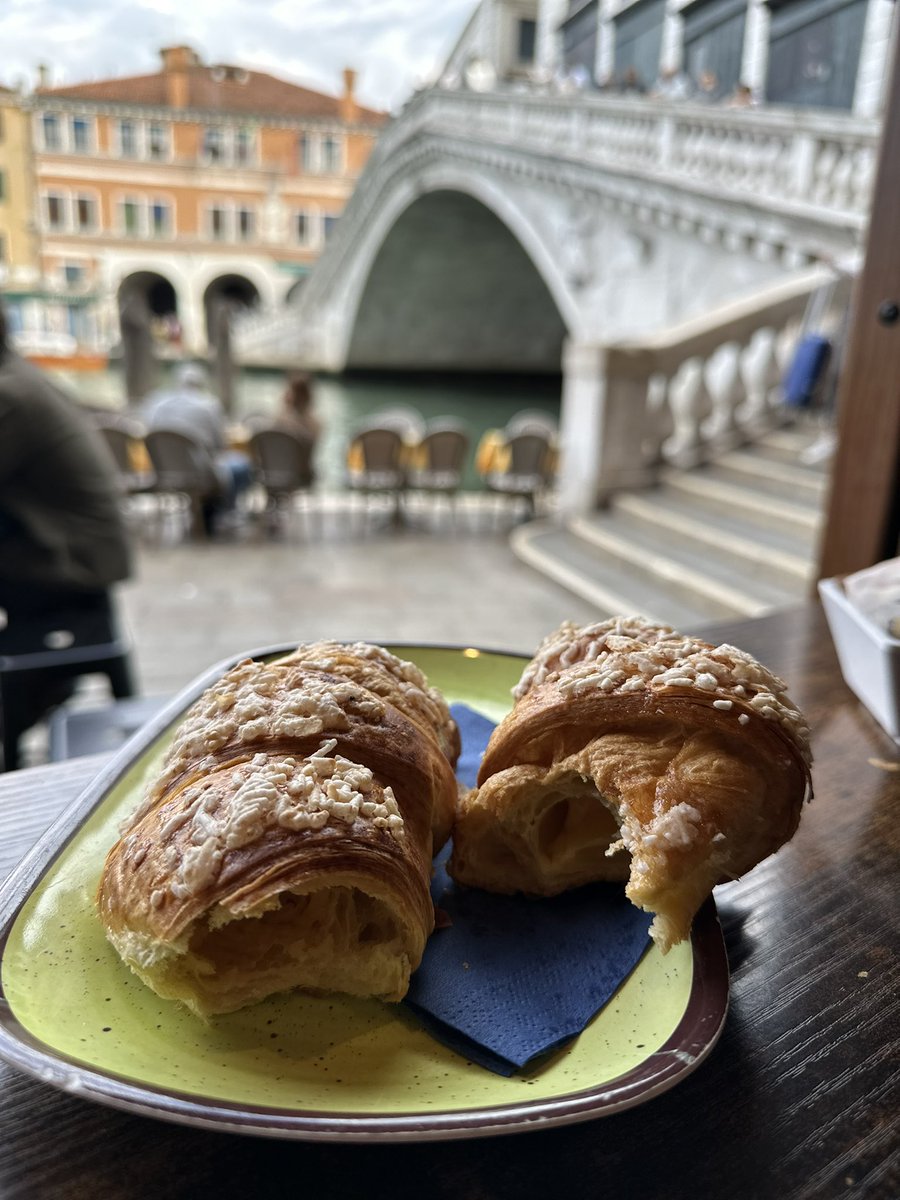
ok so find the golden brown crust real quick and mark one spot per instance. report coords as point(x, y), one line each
point(663, 759)
point(286, 842)
point(400, 682)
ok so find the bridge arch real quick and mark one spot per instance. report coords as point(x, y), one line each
point(491, 295)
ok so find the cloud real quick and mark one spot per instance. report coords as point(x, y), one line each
point(393, 44)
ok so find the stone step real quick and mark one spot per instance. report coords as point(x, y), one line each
point(770, 476)
point(732, 545)
point(684, 567)
point(621, 585)
point(773, 537)
point(799, 520)
point(790, 443)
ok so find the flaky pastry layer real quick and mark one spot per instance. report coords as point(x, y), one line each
point(286, 843)
point(635, 753)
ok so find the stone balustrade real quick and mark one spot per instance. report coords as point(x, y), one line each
point(685, 394)
point(820, 160)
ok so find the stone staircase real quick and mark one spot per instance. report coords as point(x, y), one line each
point(734, 538)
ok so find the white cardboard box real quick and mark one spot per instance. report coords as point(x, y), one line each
point(869, 656)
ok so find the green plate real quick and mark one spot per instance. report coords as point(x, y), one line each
point(310, 1067)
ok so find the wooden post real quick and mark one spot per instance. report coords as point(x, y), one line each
point(863, 518)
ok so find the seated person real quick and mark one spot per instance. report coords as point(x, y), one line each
point(296, 411)
point(192, 408)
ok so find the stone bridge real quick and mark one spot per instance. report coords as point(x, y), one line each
point(511, 230)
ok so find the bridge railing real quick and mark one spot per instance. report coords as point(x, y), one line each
point(685, 394)
point(790, 157)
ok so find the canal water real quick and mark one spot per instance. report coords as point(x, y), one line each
point(481, 402)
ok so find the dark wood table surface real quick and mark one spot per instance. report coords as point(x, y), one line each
point(798, 1099)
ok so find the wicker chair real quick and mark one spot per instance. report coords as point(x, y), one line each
point(375, 465)
point(439, 459)
point(527, 468)
point(184, 471)
point(283, 463)
point(122, 434)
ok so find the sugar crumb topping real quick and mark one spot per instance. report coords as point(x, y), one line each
point(425, 701)
point(254, 702)
point(628, 654)
point(322, 790)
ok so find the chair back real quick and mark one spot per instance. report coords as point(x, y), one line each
point(529, 455)
point(532, 420)
point(444, 448)
point(180, 464)
point(405, 419)
point(119, 442)
point(123, 436)
point(380, 448)
point(283, 460)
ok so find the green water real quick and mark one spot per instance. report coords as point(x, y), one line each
point(342, 402)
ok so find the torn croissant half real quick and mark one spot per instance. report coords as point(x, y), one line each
point(634, 753)
point(287, 841)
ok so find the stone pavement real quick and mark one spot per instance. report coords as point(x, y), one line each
point(191, 604)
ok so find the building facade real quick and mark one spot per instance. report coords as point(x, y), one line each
point(19, 256)
point(174, 192)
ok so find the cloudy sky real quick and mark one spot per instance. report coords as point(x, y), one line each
point(393, 43)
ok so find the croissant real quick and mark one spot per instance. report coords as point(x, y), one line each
point(634, 753)
point(287, 840)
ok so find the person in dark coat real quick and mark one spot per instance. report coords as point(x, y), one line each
point(62, 536)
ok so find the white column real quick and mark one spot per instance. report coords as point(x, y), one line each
point(871, 78)
point(755, 60)
point(602, 428)
point(192, 316)
point(604, 63)
point(584, 378)
point(672, 40)
point(548, 51)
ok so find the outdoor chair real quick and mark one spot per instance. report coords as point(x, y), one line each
point(524, 469)
point(184, 474)
point(437, 462)
point(124, 437)
point(283, 467)
point(375, 465)
point(532, 420)
point(407, 421)
point(41, 654)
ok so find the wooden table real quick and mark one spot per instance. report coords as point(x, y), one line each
point(799, 1098)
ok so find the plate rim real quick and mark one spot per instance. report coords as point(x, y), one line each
point(689, 1044)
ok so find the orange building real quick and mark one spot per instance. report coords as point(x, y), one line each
point(190, 185)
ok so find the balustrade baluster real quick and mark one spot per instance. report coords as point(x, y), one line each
point(774, 374)
point(826, 162)
point(842, 179)
point(659, 420)
point(730, 394)
point(692, 405)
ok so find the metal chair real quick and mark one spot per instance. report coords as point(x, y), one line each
point(526, 471)
point(439, 459)
point(123, 435)
point(375, 465)
point(40, 655)
point(407, 421)
point(283, 463)
point(532, 420)
point(184, 471)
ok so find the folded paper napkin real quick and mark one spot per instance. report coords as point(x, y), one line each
point(513, 978)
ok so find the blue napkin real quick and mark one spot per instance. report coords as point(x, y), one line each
point(513, 978)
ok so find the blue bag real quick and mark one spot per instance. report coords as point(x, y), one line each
point(806, 370)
